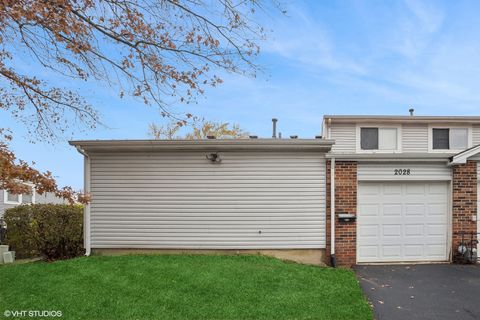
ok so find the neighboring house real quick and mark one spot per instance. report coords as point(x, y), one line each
point(404, 187)
point(9, 200)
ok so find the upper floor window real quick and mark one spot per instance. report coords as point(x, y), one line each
point(384, 139)
point(26, 198)
point(449, 138)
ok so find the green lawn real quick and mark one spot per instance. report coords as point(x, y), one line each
point(182, 287)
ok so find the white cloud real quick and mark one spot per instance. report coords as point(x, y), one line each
point(303, 40)
point(416, 28)
point(429, 16)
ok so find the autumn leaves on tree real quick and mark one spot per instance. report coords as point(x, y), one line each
point(159, 51)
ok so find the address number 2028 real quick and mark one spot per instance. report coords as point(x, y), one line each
point(401, 172)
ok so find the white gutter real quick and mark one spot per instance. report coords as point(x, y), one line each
point(86, 210)
point(209, 145)
point(332, 213)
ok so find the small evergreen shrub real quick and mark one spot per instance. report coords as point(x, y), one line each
point(54, 231)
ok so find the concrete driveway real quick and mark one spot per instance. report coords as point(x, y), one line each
point(435, 291)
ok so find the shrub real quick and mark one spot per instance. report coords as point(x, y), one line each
point(54, 231)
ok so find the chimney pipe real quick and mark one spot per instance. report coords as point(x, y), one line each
point(274, 123)
point(411, 110)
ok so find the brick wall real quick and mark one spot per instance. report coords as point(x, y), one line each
point(345, 201)
point(464, 201)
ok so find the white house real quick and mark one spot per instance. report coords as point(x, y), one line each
point(403, 190)
point(9, 200)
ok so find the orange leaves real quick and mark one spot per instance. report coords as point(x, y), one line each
point(18, 177)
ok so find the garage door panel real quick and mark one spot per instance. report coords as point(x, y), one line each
point(370, 210)
point(415, 209)
point(402, 222)
point(391, 251)
point(436, 230)
point(415, 189)
point(437, 189)
point(392, 230)
point(437, 209)
point(435, 250)
point(369, 251)
point(392, 209)
point(392, 189)
point(414, 230)
point(413, 251)
point(368, 231)
point(370, 189)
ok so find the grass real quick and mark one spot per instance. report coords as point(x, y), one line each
point(182, 287)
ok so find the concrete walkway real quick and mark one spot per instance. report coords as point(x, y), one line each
point(434, 291)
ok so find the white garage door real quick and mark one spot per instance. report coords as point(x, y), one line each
point(402, 222)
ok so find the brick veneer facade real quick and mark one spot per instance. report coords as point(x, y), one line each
point(464, 201)
point(345, 201)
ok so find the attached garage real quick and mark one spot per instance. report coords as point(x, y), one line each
point(212, 194)
point(402, 221)
point(405, 219)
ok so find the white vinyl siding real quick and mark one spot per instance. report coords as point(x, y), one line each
point(251, 200)
point(375, 171)
point(344, 136)
point(415, 138)
point(476, 135)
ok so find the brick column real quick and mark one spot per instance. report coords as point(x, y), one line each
point(345, 201)
point(464, 201)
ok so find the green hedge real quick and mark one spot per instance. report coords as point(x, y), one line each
point(54, 231)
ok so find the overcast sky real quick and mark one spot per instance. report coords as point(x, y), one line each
point(323, 57)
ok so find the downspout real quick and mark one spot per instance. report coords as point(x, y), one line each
point(333, 259)
point(86, 210)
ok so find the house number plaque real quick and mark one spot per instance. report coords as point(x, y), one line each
point(401, 172)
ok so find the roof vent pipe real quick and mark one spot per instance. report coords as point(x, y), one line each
point(411, 110)
point(274, 124)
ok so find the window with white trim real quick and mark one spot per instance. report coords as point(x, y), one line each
point(374, 138)
point(25, 198)
point(449, 138)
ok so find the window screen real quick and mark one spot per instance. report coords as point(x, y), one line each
point(441, 139)
point(369, 138)
point(458, 138)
